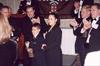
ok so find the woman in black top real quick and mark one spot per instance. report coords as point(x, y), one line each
point(7, 46)
point(53, 41)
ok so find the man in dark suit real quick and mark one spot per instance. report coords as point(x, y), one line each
point(94, 37)
point(80, 35)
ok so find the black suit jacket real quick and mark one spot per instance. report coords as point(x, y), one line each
point(36, 43)
point(16, 25)
point(73, 14)
point(39, 54)
point(95, 38)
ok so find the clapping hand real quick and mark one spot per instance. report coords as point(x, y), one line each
point(74, 24)
point(87, 24)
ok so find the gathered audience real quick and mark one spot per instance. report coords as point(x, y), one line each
point(42, 39)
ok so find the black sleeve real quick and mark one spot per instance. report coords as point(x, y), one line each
point(77, 32)
point(44, 26)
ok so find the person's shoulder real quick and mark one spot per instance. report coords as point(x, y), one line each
point(57, 29)
point(25, 17)
point(8, 44)
point(11, 43)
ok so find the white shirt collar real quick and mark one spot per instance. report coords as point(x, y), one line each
point(97, 18)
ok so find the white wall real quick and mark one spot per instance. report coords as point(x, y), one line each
point(68, 42)
point(97, 1)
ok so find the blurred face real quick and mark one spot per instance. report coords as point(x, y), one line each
point(52, 20)
point(95, 12)
point(77, 4)
point(35, 30)
point(85, 13)
point(5, 12)
point(30, 12)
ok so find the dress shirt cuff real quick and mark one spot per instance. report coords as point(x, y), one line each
point(82, 30)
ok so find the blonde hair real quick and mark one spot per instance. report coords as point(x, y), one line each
point(5, 29)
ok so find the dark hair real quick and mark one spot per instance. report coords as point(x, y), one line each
point(36, 25)
point(7, 7)
point(29, 6)
point(1, 5)
point(97, 5)
point(76, 1)
point(56, 17)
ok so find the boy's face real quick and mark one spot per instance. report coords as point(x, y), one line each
point(35, 30)
point(94, 12)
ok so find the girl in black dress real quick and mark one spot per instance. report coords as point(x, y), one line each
point(53, 41)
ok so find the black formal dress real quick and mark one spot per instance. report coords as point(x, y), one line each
point(39, 54)
point(7, 53)
point(53, 52)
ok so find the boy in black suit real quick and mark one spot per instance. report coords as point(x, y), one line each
point(37, 46)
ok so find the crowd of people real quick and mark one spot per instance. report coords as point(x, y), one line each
point(86, 29)
point(42, 41)
point(39, 49)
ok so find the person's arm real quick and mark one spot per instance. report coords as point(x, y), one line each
point(44, 26)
